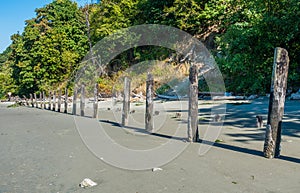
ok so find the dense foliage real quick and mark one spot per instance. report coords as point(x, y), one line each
point(241, 33)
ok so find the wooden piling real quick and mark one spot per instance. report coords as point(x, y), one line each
point(66, 101)
point(31, 99)
point(54, 101)
point(276, 103)
point(149, 103)
point(96, 90)
point(193, 135)
point(74, 101)
point(44, 100)
point(126, 101)
point(50, 101)
point(82, 100)
point(35, 100)
point(59, 100)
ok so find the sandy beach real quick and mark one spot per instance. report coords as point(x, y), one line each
point(42, 151)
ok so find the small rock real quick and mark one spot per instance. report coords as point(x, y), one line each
point(87, 183)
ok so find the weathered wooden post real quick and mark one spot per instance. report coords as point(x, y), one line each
point(82, 100)
point(35, 99)
point(59, 100)
point(193, 135)
point(95, 100)
point(44, 100)
point(74, 101)
point(276, 103)
point(50, 100)
point(54, 101)
point(31, 99)
point(66, 100)
point(149, 103)
point(126, 101)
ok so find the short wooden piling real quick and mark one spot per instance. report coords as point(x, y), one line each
point(44, 100)
point(35, 100)
point(50, 101)
point(54, 101)
point(95, 114)
point(66, 101)
point(82, 100)
point(74, 101)
point(59, 100)
point(31, 99)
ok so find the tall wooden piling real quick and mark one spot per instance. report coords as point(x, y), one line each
point(126, 101)
point(193, 135)
point(276, 103)
point(149, 104)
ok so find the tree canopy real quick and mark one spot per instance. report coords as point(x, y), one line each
point(241, 34)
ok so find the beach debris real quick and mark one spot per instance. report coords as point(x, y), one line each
point(295, 96)
point(259, 121)
point(156, 113)
point(131, 112)
point(252, 97)
point(177, 115)
point(217, 118)
point(87, 183)
point(219, 141)
point(156, 169)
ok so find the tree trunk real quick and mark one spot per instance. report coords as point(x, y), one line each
point(276, 103)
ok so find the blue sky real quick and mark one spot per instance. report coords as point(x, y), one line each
point(13, 14)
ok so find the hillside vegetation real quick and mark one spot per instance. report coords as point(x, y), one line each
point(242, 34)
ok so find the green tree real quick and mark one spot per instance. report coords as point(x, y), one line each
point(50, 48)
point(7, 82)
point(248, 44)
